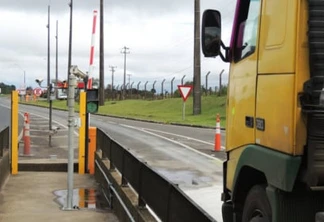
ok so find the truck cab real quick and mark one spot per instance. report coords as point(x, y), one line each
point(275, 115)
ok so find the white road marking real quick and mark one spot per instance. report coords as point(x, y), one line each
point(185, 137)
point(65, 127)
point(173, 141)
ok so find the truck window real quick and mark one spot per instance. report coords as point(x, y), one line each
point(248, 29)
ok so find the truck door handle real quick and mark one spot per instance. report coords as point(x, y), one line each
point(249, 121)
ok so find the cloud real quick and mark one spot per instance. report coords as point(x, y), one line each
point(158, 33)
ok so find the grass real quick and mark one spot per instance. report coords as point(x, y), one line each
point(166, 110)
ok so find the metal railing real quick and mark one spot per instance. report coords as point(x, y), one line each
point(4, 140)
point(167, 201)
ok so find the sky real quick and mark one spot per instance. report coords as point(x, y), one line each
point(159, 35)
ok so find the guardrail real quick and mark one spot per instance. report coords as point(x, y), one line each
point(4, 140)
point(167, 201)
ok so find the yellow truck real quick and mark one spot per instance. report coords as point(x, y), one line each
point(274, 169)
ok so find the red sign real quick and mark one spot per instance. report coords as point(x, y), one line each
point(37, 91)
point(184, 91)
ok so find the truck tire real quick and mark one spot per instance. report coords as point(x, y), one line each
point(257, 207)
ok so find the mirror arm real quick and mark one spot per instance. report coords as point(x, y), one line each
point(224, 58)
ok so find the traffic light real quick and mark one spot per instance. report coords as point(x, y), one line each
point(92, 100)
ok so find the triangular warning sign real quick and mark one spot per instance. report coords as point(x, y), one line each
point(184, 91)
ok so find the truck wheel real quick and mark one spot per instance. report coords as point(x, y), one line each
point(257, 207)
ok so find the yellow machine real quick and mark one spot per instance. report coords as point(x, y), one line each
point(275, 109)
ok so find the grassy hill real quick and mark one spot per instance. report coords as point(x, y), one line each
point(166, 110)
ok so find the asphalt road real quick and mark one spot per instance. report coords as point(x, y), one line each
point(4, 117)
point(182, 154)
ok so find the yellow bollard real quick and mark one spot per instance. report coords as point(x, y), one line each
point(14, 132)
point(92, 148)
point(82, 113)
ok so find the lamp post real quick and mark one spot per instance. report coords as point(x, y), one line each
point(24, 86)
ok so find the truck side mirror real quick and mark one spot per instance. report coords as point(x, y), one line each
point(211, 33)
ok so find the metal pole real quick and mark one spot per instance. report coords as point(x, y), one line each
point(172, 87)
point(145, 89)
point(138, 84)
point(71, 94)
point(86, 153)
point(102, 57)
point(197, 76)
point(125, 52)
point(124, 88)
point(207, 81)
point(48, 53)
point(131, 89)
point(162, 88)
point(182, 79)
point(49, 88)
point(220, 82)
point(56, 58)
point(112, 81)
point(183, 110)
point(70, 40)
point(153, 89)
point(112, 85)
point(24, 79)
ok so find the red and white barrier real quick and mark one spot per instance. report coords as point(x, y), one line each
point(92, 49)
point(26, 134)
point(217, 146)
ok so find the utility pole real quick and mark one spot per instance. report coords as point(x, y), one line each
point(70, 42)
point(207, 81)
point(220, 82)
point(101, 60)
point(196, 80)
point(112, 80)
point(124, 51)
point(56, 57)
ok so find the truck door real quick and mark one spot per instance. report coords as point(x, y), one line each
point(243, 73)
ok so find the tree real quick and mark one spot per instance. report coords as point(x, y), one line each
point(6, 89)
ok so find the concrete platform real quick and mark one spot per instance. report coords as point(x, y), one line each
point(30, 197)
point(37, 196)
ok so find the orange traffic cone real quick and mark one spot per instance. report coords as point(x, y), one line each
point(217, 146)
point(26, 135)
